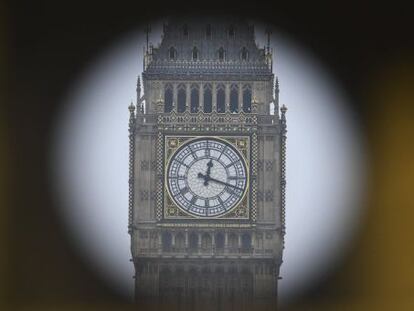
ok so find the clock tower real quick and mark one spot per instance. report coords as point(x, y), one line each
point(207, 169)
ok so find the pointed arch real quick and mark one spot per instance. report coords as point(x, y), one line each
point(247, 98)
point(168, 98)
point(194, 98)
point(208, 98)
point(221, 98)
point(221, 54)
point(244, 53)
point(195, 54)
point(172, 53)
point(181, 98)
point(234, 98)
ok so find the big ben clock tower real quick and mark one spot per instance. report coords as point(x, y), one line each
point(207, 169)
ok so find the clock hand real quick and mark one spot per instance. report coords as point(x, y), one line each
point(209, 166)
point(207, 178)
point(224, 183)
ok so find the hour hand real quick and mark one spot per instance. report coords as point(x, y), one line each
point(206, 178)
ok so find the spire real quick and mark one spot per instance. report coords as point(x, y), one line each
point(268, 32)
point(147, 31)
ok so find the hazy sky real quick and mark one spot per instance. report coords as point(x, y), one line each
point(324, 162)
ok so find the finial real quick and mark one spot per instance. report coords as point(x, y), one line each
point(283, 109)
point(131, 108)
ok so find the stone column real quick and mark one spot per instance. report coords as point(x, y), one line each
point(186, 238)
point(213, 242)
point(199, 242)
point(240, 97)
point(226, 242)
point(240, 241)
point(201, 97)
point(159, 242)
point(188, 98)
point(175, 97)
point(227, 98)
point(214, 99)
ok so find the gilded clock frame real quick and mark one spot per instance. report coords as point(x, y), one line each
point(172, 143)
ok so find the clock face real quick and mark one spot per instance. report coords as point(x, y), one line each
point(207, 177)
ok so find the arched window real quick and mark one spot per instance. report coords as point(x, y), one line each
point(181, 98)
point(208, 99)
point(246, 242)
point(193, 241)
point(219, 240)
point(231, 31)
point(247, 99)
point(195, 98)
point(166, 241)
point(234, 98)
point(221, 54)
point(221, 99)
point(195, 53)
point(168, 98)
point(208, 31)
point(172, 53)
point(244, 54)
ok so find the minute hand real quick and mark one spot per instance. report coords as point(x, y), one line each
point(224, 183)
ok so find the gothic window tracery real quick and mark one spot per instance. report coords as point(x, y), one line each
point(194, 98)
point(247, 99)
point(195, 54)
point(172, 53)
point(234, 98)
point(221, 99)
point(208, 99)
point(221, 54)
point(181, 98)
point(168, 98)
point(244, 54)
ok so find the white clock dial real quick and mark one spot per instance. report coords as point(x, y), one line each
point(207, 177)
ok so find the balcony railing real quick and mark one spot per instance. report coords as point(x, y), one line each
point(195, 119)
point(209, 252)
